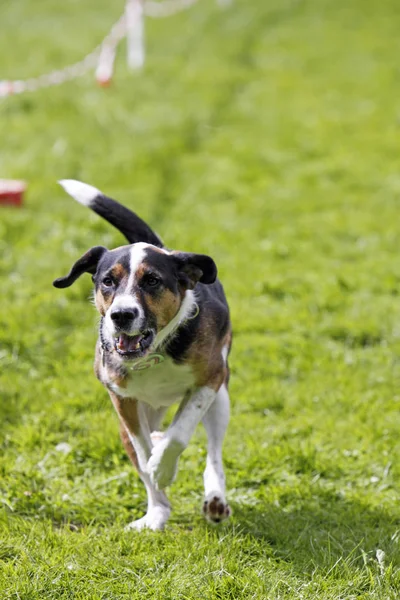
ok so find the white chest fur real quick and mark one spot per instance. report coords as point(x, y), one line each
point(161, 385)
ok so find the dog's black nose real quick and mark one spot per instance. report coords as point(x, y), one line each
point(123, 317)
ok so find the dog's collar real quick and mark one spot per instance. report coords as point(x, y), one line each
point(152, 359)
point(194, 315)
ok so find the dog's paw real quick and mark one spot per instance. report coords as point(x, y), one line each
point(215, 508)
point(155, 520)
point(156, 436)
point(163, 463)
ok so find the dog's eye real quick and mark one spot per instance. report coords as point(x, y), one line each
point(152, 280)
point(107, 282)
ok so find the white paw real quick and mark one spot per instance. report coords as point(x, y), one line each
point(215, 507)
point(155, 520)
point(163, 463)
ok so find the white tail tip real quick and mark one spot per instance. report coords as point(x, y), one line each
point(82, 192)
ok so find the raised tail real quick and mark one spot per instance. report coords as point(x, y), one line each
point(125, 220)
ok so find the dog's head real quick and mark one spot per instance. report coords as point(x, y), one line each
point(140, 290)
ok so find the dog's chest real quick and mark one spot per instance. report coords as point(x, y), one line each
point(159, 385)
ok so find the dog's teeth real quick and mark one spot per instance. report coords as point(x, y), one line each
point(137, 346)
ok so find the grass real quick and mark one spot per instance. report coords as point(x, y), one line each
point(267, 136)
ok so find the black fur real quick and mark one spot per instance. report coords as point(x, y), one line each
point(164, 266)
point(125, 220)
point(196, 267)
point(86, 264)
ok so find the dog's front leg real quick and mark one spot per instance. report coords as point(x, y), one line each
point(135, 434)
point(162, 465)
point(134, 418)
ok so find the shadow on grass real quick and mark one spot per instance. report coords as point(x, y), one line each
point(322, 530)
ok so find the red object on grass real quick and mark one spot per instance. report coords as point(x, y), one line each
point(12, 191)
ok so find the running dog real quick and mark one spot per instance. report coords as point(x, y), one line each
point(164, 338)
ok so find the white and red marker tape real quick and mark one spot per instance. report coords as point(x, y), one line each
point(130, 25)
point(12, 191)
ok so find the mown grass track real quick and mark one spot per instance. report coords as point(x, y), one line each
point(266, 135)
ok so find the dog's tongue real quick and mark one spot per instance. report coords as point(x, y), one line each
point(128, 343)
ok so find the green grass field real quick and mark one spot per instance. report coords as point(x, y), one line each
point(266, 135)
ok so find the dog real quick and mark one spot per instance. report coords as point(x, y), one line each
point(164, 338)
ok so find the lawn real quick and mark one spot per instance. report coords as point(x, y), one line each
point(265, 134)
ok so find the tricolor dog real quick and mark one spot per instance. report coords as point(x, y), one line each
point(164, 338)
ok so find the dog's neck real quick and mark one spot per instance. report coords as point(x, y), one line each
point(189, 309)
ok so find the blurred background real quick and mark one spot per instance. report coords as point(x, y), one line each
point(265, 134)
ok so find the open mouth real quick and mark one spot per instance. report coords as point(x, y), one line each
point(133, 346)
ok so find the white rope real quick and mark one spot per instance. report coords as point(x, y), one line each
point(130, 25)
point(59, 76)
point(105, 53)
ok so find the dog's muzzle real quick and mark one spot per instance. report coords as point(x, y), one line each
point(134, 346)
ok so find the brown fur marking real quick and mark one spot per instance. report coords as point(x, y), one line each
point(128, 446)
point(205, 355)
point(127, 411)
point(164, 307)
point(119, 272)
point(102, 302)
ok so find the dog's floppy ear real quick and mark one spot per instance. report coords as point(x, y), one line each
point(86, 264)
point(193, 268)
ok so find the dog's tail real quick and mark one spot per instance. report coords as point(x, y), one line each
point(125, 220)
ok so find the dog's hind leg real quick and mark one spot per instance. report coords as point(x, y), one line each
point(158, 507)
point(215, 421)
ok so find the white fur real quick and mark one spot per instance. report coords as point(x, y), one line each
point(138, 252)
point(158, 508)
point(224, 353)
point(82, 192)
point(154, 519)
point(161, 385)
